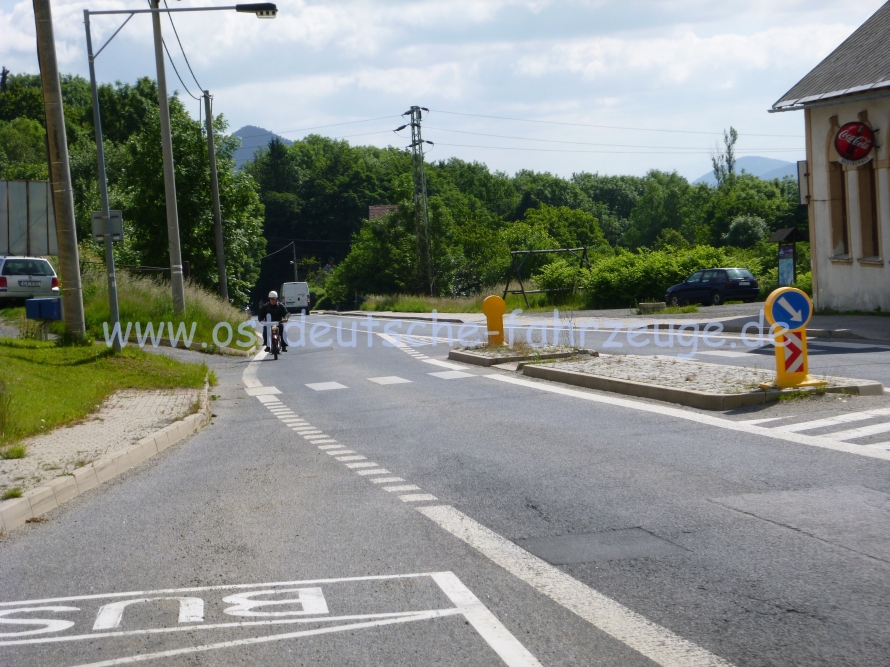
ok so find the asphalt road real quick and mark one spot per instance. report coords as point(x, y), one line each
point(452, 515)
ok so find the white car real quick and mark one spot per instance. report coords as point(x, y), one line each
point(26, 278)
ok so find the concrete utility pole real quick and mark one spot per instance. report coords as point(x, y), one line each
point(176, 279)
point(60, 173)
point(217, 212)
point(103, 188)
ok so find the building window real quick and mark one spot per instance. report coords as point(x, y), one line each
point(837, 196)
point(868, 211)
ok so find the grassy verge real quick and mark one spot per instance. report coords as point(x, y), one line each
point(403, 303)
point(148, 300)
point(47, 385)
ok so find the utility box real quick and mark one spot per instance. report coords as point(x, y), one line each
point(43, 309)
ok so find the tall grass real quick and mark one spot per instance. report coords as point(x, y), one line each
point(145, 299)
point(405, 303)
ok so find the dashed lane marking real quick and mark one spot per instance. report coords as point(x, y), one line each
point(417, 497)
point(261, 391)
point(330, 446)
point(338, 452)
point(389, 379)
point(451, 375)
point(352, 457)
point(326, 386)
point(385, 480)
point(375, 471)
point(443, 364)
point(834, 421)
point(401, 488)
point(363, 464)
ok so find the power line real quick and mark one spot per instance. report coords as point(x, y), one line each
point(172, 64)
point(319, 127)
point(565, 150)
point(170, 16)
point(585, 143)
point(607, 127)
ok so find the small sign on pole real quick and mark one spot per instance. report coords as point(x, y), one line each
point(789, 310)
point(115, 226)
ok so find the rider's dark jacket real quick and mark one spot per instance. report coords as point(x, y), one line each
point(275, 313)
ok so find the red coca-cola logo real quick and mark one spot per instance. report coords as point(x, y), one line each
point(854, 141)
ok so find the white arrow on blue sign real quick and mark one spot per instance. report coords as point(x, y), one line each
point(791, 310)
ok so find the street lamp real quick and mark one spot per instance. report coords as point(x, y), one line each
point(261, 10)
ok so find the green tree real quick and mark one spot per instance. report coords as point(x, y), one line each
point(23, 150)
point(745, 231)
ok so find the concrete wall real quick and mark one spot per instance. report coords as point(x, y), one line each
point(852, 283)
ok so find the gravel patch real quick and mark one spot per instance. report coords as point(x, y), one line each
point(678, 373)
point(123, 419)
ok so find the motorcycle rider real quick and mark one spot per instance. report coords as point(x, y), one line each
point(276, 311)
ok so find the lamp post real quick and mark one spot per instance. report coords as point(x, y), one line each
point(264, 10)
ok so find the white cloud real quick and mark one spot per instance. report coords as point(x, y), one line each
point(684, 64)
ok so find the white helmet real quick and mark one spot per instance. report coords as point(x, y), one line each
point(273, 294)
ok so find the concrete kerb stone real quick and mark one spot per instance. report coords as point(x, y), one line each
point(35, 502)
point(365, 313)
point(687, 397)
point(482, 360)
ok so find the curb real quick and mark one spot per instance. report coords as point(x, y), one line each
point(479, 360)
point(365, 313)
point(687, 397)
point(226, 351)
point(35, 502)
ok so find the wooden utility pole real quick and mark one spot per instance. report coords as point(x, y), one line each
point(60, 172)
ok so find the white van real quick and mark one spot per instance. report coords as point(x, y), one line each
point(295, 297)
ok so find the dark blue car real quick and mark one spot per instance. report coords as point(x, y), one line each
point(714, 286)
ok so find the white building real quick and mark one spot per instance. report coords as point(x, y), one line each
point(846, 105)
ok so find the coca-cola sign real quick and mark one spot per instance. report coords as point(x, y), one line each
point(854, 143)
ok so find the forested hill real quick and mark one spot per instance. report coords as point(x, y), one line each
point(316, 193)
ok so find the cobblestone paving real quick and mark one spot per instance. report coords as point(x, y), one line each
point(123, 419)
point(677, 373)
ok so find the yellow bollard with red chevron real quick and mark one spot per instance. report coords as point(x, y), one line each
point(789, 310)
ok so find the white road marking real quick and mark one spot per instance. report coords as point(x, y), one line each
point(304, 430)
point(834, 421)
point(363, 464)
point(313, 438)
point(248, 377)
point(763, 420)
point(451, 375)
point(443, 364)
point(325, 440)
point(353, 457)
point(417, 497)
point(375, 471)
point(880, 445)
point(326, 386)
point(324, 447)
point(403, 487)
point(485, 623)
point(270, 638)
point(647, 638)
point(269, 400)
point(778, 433)
point(861, 432)
point(722, 353)
point(382, 480)
point(389, 379)
point(261, 391)
point(337, 452)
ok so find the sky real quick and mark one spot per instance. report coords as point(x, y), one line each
point(608, 86)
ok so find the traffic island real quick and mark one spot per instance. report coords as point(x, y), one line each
point(685, 382)
point(493, 355)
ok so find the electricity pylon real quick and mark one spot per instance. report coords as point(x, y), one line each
point(421, 206)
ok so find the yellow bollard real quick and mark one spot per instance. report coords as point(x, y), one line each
point(494, 308)
point(790, 309)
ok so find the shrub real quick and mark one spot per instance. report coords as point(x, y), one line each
point(628, 278)
point(561, 275)
point(745, 230)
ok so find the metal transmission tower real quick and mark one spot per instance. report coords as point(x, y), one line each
point(421, 207)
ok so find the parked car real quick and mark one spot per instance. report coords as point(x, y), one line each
point(714, 286)
point(26, 278)
point(295, 297)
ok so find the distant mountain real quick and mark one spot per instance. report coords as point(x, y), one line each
point(764, 167)
point(252, 138)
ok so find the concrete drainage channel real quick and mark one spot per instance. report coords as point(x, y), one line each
point(33, 503)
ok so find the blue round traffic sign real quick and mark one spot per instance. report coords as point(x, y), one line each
point(789, 308)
